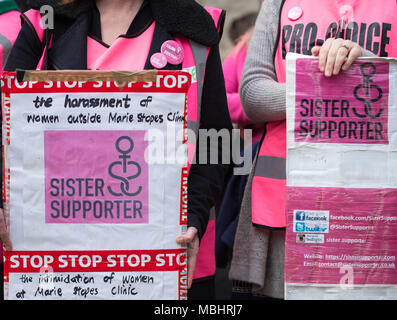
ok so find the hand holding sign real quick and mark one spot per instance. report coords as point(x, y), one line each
point(336, 54)
point(4, 237)
point(190, 238)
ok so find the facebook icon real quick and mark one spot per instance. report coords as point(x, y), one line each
point(300, 215)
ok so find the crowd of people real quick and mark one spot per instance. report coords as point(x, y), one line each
point(247, 90)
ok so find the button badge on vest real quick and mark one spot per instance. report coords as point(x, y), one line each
point(295, 13)
point(173, 51)
point(158, 60)
point(346, 12)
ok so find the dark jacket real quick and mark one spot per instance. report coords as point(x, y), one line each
point(183, 17)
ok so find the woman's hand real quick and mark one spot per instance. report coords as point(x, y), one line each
point(4, 237)
point(190, 238)
point(336, 54)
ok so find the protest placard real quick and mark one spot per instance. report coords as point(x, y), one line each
point(341, 238)
point(95, 184)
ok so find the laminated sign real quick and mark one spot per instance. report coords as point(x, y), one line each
point(341, 181)
point(95, 184)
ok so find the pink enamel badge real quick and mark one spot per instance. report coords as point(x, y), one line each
point(295, 13)
point(158, 60)
point(173, 52)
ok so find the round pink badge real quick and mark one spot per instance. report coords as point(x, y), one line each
point(158, 60)
point(173, 52)
point(346, 12)
point(295, 13)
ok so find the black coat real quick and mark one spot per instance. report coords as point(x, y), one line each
point(182, 17)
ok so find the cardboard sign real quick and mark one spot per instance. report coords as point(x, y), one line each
point(95, 184)
point(341, 181)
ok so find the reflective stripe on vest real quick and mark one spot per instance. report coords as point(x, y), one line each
point(268, 184)
point(198, 59)
point(371, 24)
point(195, 63)
point(5, 49)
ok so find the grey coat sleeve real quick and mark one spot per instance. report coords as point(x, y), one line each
point(262, 97)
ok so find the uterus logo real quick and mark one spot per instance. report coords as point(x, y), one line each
point(125, 170)
point(368, 93)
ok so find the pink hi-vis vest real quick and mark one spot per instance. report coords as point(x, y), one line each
point(195, 63)
point(304, 24)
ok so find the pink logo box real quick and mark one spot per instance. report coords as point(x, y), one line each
point(96, 177)
point(348, 108)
